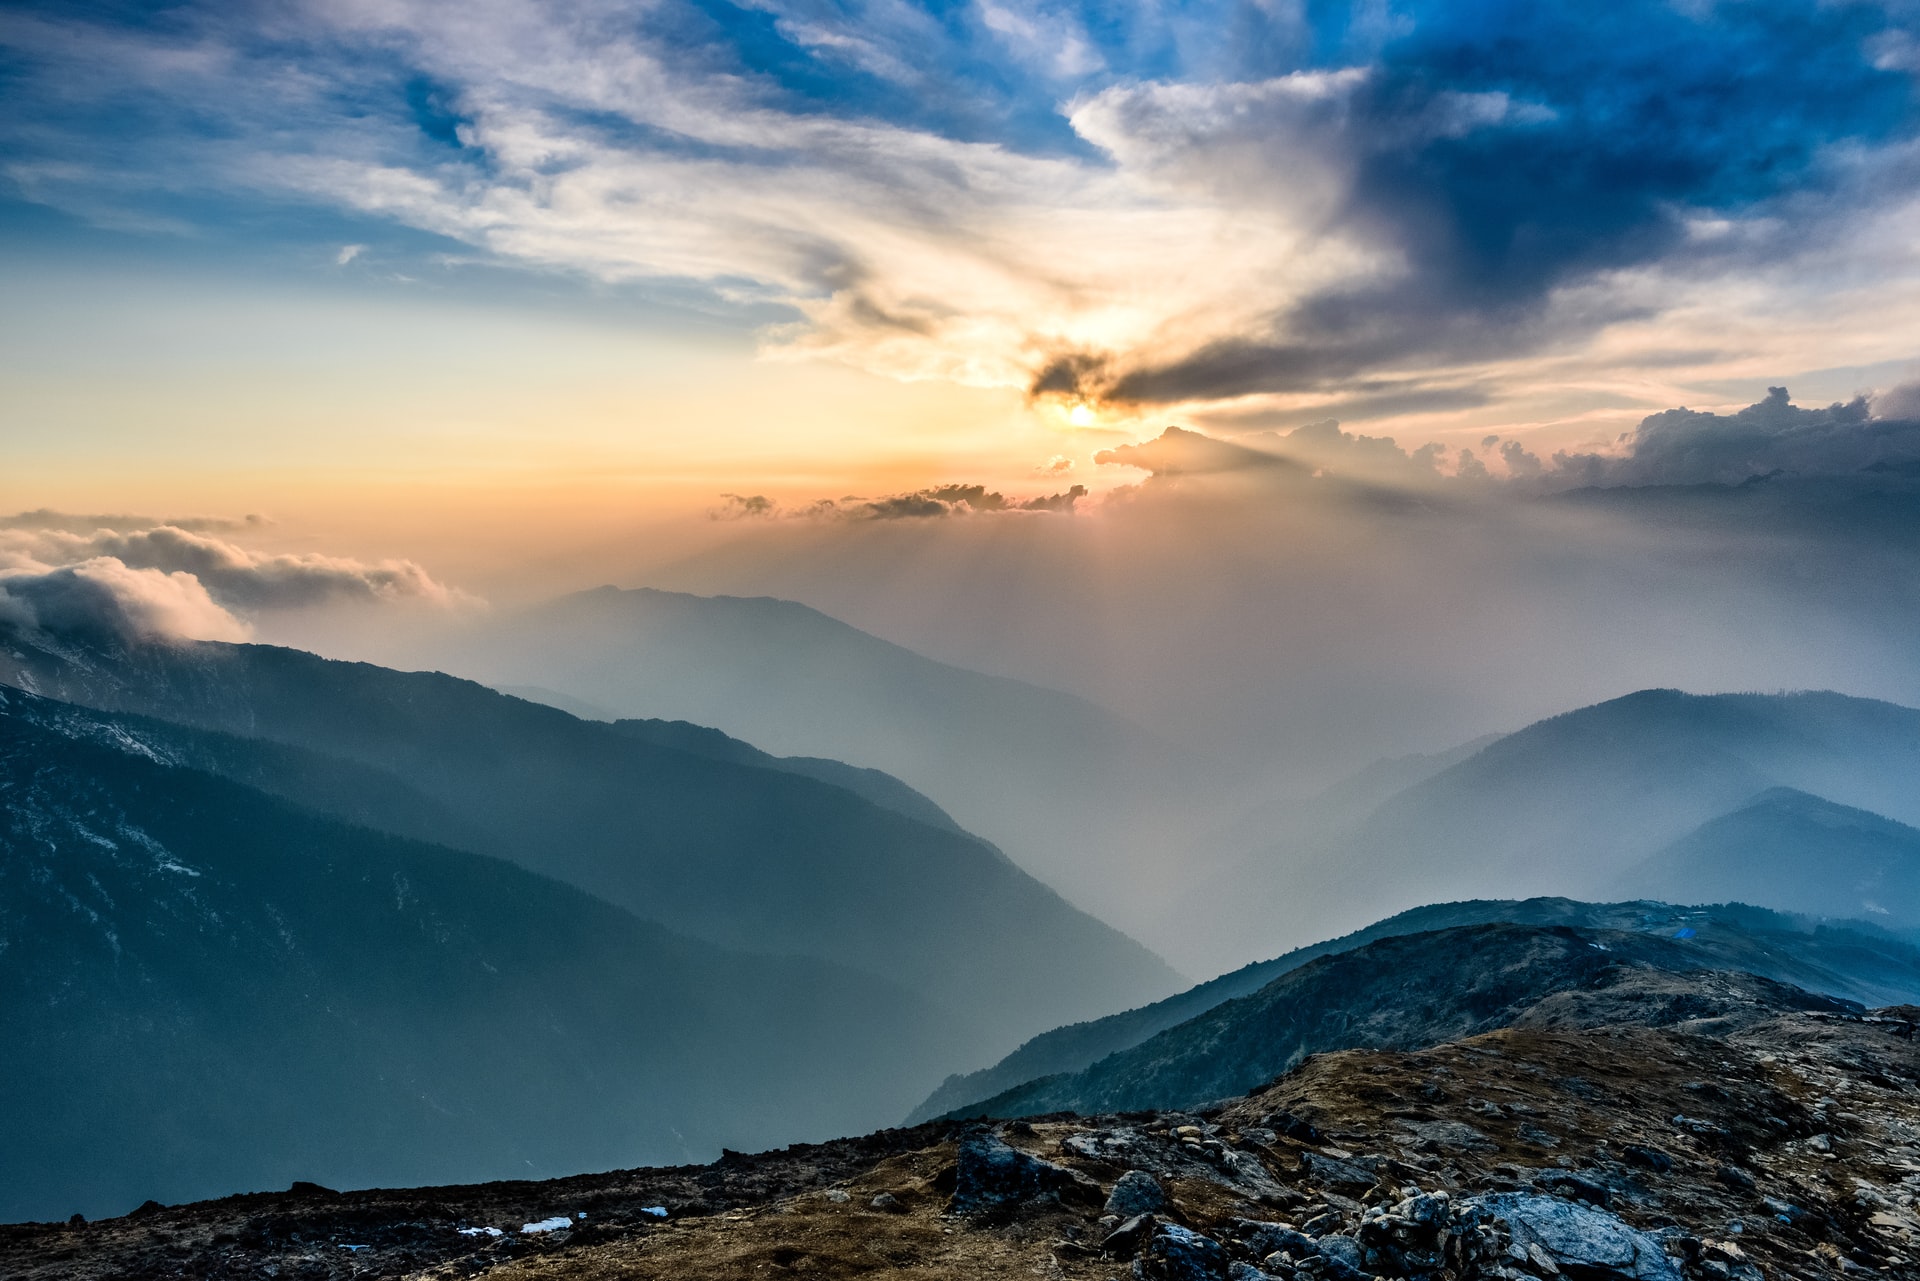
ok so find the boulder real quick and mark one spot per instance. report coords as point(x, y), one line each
point(1125, 1240)
point(1578, 1238)
point(1334, 1172)
point(1262, 1239)
point(1174, 1253)
point(993, 1180)
point(1136, 1192)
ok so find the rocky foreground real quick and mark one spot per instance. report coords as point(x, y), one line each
point(1788, 1147)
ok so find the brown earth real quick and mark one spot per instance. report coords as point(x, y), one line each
point(1789, 1147)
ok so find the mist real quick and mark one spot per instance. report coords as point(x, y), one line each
point(1254, 620)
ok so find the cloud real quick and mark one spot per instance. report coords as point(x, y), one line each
point(1179, 452)
point(105, 595)
point(940, 501)
point(43, 518)
point(63, 572)
point(1898, 402)
point(1673, 447)
point(1686, 447)
point(234, 575)
point(744, 507)
point(1180, 204)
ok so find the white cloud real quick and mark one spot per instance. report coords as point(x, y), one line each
point(60, 571)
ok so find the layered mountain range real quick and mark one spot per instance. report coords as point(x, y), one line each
point(266, 916)
point(1086, 799)
point(1638, 796)
point(679, 922)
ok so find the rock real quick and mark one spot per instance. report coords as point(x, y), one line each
point(1174, 1253)
point(1342, 1249)
point(1320, 1267)
point(1567, 1184)
point(1784, 1211)
point(887, 1203)
point(1125, 1241)
point(1262, 1239)
point(1821, 1143)
point(1438, 1136)
point(1247, 1272)
point(1651, 1158)
point(992, 1180)
point(1578, 1238)
point(1425, 1208)
point(1293, 1127)
point(1136, 1192)
point(1734, 1177)
point(1326, 1169)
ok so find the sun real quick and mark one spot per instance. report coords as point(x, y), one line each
point(1081, 415)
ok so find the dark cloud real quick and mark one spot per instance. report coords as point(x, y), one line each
point(1774, 436)
point(950, 500)
point(1503, 151)
point(744, 507)
point(1378, 400)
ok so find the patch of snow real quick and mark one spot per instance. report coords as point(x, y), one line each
point(481, 1232)
point(546, 1225)
point(657, 1211)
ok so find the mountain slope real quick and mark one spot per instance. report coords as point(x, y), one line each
point(1063, 784)
point(1852, 961)
point(872, 785)
point(1406, 992)
point(1789, 849)
point(207, 989)
point(748, 857)
point(1565, 806)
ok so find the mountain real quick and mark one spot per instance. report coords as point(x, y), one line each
point(871, 785)
point(1791, 850)
point(1406, 992)
point(1853, 961)
point(207, 989)
point(1563, 807)
point(1081, 797)
point(751, 858)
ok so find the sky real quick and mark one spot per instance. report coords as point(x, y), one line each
point(1013, 331)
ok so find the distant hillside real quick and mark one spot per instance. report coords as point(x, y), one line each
point(1791, 850)
point(1565, 806)
point(1853, 961)
point(207, 989)
point(873, 785)
point(1067, 788)
point(753, 858)
point(1411, 991)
